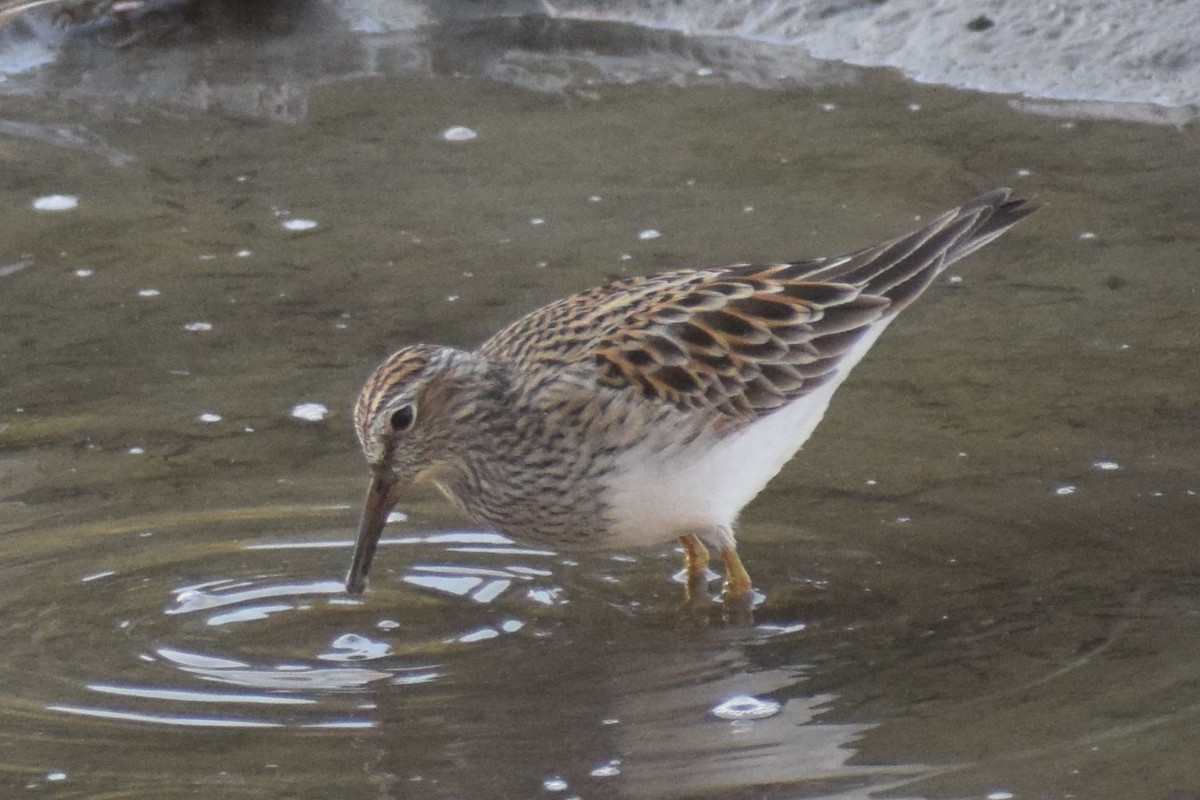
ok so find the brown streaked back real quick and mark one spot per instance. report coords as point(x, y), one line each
point(746, 339)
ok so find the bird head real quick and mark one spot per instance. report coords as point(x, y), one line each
point(404, 420)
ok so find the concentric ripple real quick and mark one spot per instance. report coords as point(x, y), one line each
point(184, 630)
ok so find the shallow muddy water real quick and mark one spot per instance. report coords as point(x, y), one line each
point(980, 576)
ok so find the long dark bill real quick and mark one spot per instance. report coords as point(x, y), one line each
point(370, 527)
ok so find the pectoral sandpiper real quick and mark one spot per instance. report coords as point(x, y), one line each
point(648, 410)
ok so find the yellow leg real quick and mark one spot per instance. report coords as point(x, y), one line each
point(695, 566)
point(695, 554)
point(737, 580)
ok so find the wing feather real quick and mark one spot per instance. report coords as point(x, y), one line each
point(744, 340)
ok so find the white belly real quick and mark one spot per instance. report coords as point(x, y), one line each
point(661, 496)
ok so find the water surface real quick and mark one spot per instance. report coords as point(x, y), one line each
point(980, 576)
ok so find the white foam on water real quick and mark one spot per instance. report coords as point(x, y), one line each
point(56, 202)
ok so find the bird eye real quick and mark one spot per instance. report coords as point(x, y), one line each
point(402, 418)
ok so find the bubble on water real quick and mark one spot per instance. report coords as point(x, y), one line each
point(353, 647)
point(56, 775)
point(1063, 491)
point(537, 221)
point(198, 327)
point(914, 107)
point(607, 769)
point(744, 706)
point(148, 293)
point(1087, 235)
point(83, 272)
point(704, 72)
point(595, 198)
point(828, 106)
point(310, 412)
point(648, 233)
point(244, 253)
point(387, 624)
point(555, 783)
point(209, 416)
point(135, 451)
point(458, 133)
point(1022, 172)
point(547, 596)
point(297, 225)
point(56, 202)
point(955, 278)
point(1105, 465)
point(396, 516)
point(1000, 794)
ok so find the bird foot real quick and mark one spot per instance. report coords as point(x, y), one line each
point(695, 554)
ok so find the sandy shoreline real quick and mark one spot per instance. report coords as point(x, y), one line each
point(1078, 58)
point(1100, 52)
